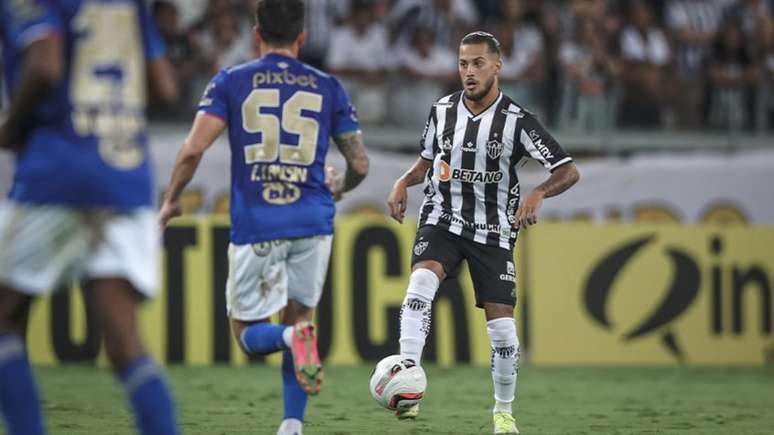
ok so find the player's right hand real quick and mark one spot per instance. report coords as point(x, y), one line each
point(397, 201)
point(168, 211)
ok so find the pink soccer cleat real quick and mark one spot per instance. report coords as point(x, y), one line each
point(305, 358)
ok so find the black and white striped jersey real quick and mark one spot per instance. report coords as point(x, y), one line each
point(472, 189)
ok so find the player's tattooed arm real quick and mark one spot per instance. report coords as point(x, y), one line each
point(351, 147)
point(399, 197)
point(42, 69)
point(416, 174)
point(560, 180)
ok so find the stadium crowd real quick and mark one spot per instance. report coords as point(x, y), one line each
point(584, 65)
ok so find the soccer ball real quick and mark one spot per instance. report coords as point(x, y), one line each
point(397, 383)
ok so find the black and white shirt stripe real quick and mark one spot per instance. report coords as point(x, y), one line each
point(472, 189)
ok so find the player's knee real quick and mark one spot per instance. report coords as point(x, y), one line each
point(423, 284)
point(502, 330)
point(123, 348)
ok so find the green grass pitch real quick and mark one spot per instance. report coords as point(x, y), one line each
point(247, 400)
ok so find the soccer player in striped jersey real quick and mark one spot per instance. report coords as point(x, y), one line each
point(81, 204)
point(473, 143)
point(280, 114)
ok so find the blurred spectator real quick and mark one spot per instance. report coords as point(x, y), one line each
point(424, 59)
point(693, 24)
point(182, 53)
point(427, 71)
point(756, 22)
point(595, 11)
point(589, 72)
point(523, 70)
point(645, 53)
point(449, 19)
point(733, 77)
point(223, 45)
point(358, 54)
point(320, 17)
point(766, 103)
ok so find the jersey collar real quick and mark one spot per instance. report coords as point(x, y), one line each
point(483, 112)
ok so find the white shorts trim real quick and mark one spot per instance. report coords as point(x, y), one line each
point(43, 247)
point(264, 276)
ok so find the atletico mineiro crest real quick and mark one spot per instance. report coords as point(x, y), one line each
point(494, 149)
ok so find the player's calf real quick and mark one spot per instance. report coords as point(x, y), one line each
point(415, 312)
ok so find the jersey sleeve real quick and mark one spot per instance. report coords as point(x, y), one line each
point(428, 141)
point(215, 98)
point(27, 21)
point(153, 43)
point(344, 114)
point(538, 144)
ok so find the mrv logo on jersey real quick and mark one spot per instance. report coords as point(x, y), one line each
point(538, 142)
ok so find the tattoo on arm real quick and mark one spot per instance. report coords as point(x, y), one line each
point(560, 180)
point(353, 150)
point(416, 174)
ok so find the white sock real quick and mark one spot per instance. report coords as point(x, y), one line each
point(287, 337)
point(415, 313)
point(505, 361)
point(290, 426)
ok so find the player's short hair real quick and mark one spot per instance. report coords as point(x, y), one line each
point(480, 37)
point(279, 22)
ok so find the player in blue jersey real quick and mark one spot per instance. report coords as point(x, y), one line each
point(280, 114)
point(81, 201)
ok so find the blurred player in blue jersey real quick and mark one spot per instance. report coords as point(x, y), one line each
point(81, 204)
point(280, 114)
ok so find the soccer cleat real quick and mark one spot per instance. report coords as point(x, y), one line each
point(305, 359)
point(504, 423)
point(290, 426)
point(412, 413)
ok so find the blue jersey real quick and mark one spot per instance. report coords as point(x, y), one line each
point(281, 114)
point(86, 145)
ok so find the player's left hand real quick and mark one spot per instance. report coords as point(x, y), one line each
point(527, 214)
point(332, 178)
point(169, 210)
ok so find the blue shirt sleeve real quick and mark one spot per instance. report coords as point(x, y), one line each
point(215, 98)
point(344, 114)
point(29, 20)
point(153, 43)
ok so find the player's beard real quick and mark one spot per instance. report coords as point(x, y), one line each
point(480, 95)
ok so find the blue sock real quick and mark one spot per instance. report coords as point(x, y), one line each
point(263, 338)
point(150, 398)
point(18, 393)
point(292, 393)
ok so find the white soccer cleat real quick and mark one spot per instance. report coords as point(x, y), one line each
point(290, 426)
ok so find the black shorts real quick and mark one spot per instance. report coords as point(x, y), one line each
point(491, 267)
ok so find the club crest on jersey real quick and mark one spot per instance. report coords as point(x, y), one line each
point(446, 145)
point(494, 149)
point(420, 247)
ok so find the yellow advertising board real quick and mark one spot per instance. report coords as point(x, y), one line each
point(587, 294)
point(357, 316)
point(650, 294)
